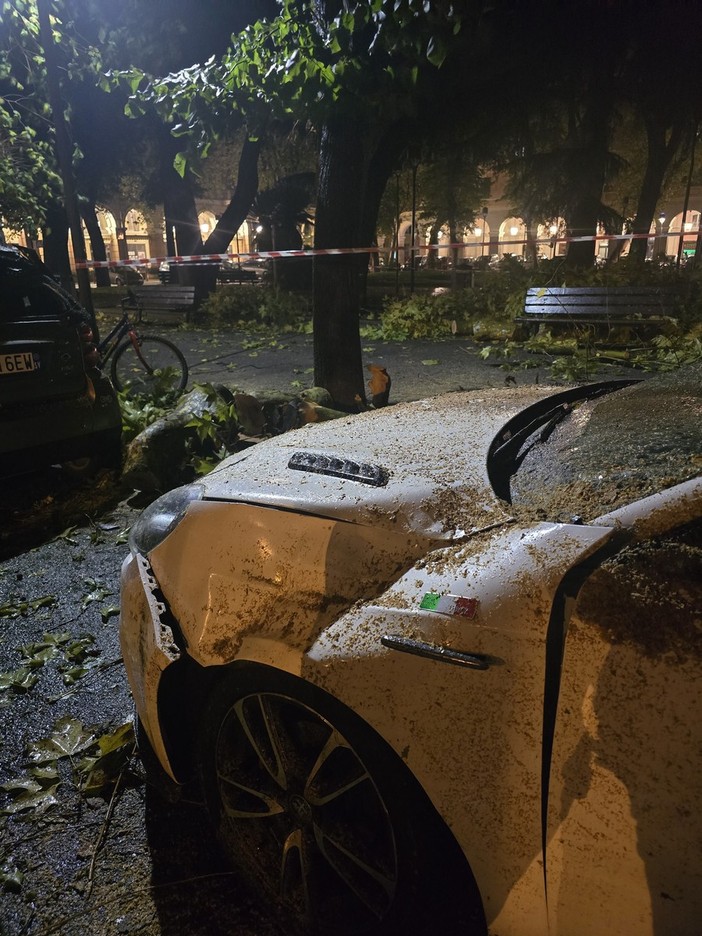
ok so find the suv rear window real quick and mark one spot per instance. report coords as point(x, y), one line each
point(28, 293)
point(36, 300)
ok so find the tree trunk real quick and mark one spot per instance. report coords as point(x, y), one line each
point(433, 244)
point(660, 154)
point(338, 364)
point(56, 245)
point(183, 229)
point(237, 210)
point(64, 154)
point(383, 163)
point(183, 235)
point(592, 154)
point(181, 217)
point(97, 243)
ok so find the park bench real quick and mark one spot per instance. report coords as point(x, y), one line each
point(165, 301)
point(600, 307)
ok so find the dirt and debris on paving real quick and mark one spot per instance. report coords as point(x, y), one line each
point(85, 845)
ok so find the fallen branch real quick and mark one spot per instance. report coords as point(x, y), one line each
point(106, 824)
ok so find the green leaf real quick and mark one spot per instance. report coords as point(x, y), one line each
point(11, 877)
point(75, 673)
point(23, 608)
point(107, 613)
point(36, 791)
point(430, 362)
point(19, 680)
point(97, 592)
point(180, 164)
point(135, 79)
point(436, 51)
point(67, 535)
point(68, 738)
point(99, 772)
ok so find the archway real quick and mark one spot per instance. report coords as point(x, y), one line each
point(549, 239)
point(512, 237)
point(689, 229)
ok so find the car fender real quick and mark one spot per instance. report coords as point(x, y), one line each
point(465, 729)
point(231, 572)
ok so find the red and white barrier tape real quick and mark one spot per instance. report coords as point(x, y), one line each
point(208, 258)
point(336, 251)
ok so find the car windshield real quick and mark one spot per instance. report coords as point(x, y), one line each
point(589, 457)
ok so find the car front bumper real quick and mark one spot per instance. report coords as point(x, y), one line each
point(148, 647)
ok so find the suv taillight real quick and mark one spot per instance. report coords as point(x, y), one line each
point(91, 355)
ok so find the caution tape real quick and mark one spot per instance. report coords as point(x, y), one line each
point(337, 251)
point(209, 258)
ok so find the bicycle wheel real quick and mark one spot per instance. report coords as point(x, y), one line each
point(156, 366)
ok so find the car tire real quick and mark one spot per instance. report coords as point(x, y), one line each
point(89, 465)
point(321, 816)
point(85, 467)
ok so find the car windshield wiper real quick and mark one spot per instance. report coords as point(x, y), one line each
point(510, 453)
point(509, 450)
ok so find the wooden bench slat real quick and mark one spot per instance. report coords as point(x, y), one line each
point(599, 305)
point(638, 309)
point(160, 299)
point(601, 290)
point(593, 299)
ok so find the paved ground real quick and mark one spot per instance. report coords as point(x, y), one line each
point(254, 362)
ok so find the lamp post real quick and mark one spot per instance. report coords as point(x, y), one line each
point(397, 234)
point(687, 196)
point(660, 250)
point(415, 166)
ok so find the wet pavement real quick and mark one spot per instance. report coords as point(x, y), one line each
point(120, 860)
point(254, 362)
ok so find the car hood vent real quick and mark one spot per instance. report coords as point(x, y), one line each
point(339, 468)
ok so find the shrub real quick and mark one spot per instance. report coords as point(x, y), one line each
point(256, 305)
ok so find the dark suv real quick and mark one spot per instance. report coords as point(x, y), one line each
point(56, 407)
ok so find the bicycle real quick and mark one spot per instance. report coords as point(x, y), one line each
point(144, 364)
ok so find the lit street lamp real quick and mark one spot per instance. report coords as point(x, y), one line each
point(660, 250)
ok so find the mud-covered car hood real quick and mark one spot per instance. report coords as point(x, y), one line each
point(421, 466)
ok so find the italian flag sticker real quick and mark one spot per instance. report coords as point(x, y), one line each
point(449, 604)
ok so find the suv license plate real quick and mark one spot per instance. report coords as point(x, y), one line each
point(21, 362)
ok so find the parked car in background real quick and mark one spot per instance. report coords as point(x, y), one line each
point(437, 667)
point(55, 406)
point(227, 272)
point(230, 272)
point(126, 276)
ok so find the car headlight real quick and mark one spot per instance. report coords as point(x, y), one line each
point(160, 518)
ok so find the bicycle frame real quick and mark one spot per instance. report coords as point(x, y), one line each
point(125, 327)
point(108, 344)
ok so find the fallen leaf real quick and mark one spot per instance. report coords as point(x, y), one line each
point(100, 771)
point(11, 877)
point(36, 791)
point(20, 680)
point(379, 385)
point(97, 592)
point(69, 738)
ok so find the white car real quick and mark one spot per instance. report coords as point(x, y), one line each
point(437, 667)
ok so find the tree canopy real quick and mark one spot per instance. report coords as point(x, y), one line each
point(540, 90)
